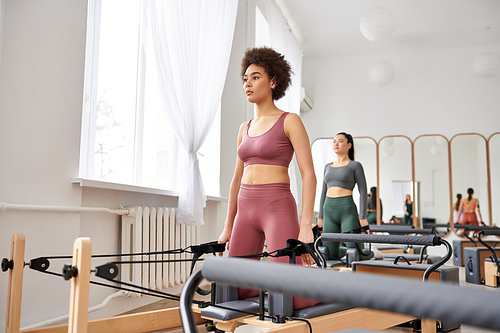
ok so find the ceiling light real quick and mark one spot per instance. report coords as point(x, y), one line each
point(487, 64)
point(382, 73)
point(378, 23)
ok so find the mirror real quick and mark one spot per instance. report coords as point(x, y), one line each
point(365, 151)
point(322, 153)
point(433, 176)
point(395, 177)
point(469, 170)
point(494, 153)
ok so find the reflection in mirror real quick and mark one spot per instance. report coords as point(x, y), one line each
point(322, 153)
point(494, 150)
point(469, 170)
point(395, 170)
point(432, 175)
point(365, 151)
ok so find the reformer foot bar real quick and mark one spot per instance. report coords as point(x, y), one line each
point(404, 296)
point(418, 254)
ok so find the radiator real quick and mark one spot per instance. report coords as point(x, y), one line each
point(151, 229)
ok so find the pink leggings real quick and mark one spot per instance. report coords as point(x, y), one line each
point(470, 218)
point(266, 212)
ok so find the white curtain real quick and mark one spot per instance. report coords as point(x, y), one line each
point(284, 42)
point(192, 44)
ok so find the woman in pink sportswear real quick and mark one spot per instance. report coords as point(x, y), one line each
point(261, 207)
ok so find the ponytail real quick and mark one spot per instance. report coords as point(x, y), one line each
point(457, 204)
point(470, 191)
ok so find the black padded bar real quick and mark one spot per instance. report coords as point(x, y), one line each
point(487, 230)
point(404, 230)
point(430, 240)
point(419, 299)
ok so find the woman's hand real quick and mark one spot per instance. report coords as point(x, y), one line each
point(320, 223)
point(364, 223)
point(306, 236)
point(225, 237)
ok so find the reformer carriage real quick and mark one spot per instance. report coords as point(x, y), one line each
point(332, 315)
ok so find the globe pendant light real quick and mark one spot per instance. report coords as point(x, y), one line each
point(382, 73)
point(487, 65)
point(378, 23)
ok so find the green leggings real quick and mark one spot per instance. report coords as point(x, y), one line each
point(371, 217)
point(340, 215)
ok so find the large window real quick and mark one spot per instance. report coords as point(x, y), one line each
point(126, 137)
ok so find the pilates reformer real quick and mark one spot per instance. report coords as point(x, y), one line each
point(323, 315)
point(407, 252)
point(79, 274)
point(477, 268)
point(459, 246)
point(435, 271)
point(410, 298)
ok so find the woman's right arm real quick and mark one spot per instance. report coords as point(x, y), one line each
point(232, 208)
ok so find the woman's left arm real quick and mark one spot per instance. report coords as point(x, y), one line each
point(297, 134)
point(362, 188)
point(479, 210)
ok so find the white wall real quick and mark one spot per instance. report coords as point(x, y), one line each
point(434, 92)
point(41, 80)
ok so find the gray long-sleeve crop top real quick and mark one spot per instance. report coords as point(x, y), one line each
point(345, 177)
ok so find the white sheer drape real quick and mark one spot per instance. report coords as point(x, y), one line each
point(192, 43)
point(284, 42)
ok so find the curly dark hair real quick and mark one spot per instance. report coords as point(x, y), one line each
point(275, 65)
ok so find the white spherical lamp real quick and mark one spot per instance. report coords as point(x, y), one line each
point(487, 65)
point(387, 142)
point(382, 73)
point(387, 151)
point(436, 150)
point(378, 23)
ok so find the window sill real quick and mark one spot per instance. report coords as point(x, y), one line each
point(131, 188)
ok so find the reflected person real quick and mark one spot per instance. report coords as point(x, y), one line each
point(371, 209)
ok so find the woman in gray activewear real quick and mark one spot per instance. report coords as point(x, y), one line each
point(338, 212)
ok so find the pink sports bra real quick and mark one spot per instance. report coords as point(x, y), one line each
point(270, 148)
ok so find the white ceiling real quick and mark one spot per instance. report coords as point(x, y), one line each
point(327, 28)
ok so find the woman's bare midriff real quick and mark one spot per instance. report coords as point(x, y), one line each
point(337, 192)
point(265, 174)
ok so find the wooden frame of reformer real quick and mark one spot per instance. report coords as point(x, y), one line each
point(78, 315)
point(168, 318)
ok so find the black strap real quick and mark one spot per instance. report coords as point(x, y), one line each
point(199, 250)
point(294, 247)
point(317, 232)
